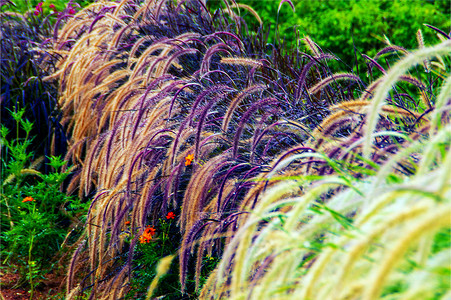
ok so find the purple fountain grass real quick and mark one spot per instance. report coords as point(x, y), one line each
point(142, 94)
point(439, 31)
point(234, 169)
point(388, 49)
point(306, 69)
point(201, 118)
point(374, 63)
point(248, 91)
point(257, 105)
point(189, 119)
point(217, 48)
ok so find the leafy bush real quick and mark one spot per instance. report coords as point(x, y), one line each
point(35, 214)
point(47, 7)
point(337, 26)
point(157, 242)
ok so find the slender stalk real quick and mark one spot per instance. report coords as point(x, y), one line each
point(30, 267)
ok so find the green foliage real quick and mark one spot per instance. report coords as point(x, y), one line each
point(23, 6)
point(35, 214)
point(163, 244)
point(442, 240)
point(336, 25)
point(147, 256)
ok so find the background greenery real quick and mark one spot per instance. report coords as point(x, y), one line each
point(23, 6)
point(338, 25)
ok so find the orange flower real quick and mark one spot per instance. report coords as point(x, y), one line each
point(189, 159)
point(170, 215)
point(150, 230)
point(127, 222)
point(147, 235)
point(27, 199)
point(144, 239)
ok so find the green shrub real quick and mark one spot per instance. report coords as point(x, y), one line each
point(35, 214)
point(23, 6)
point(336, 25)
point(160, 244)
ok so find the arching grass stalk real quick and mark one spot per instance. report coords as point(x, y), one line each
point(163, 267)
point(390, 79)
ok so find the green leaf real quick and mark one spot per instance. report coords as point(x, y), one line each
point(26, 125)
point(56, 162)
point(4, 132)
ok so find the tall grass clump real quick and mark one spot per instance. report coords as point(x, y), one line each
point(176, 111)
point(172, 108)
point(38, 220)
point(343, 237)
